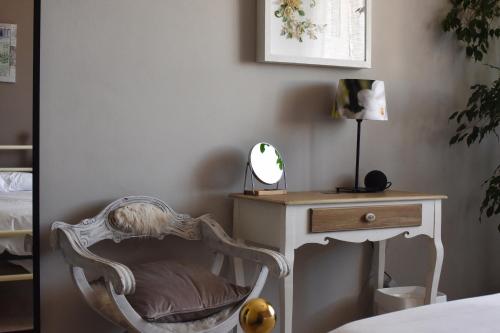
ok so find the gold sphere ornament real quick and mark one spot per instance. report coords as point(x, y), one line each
point(257, 316)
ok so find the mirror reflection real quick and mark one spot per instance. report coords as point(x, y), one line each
point(16, 208)
point(267, 164)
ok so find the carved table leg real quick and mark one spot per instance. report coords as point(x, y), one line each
point(437, 253)
point(379, 266)
point(239, 276)
point(380, 263)
point(432, 282)
point(286, 296)
point(239, 273)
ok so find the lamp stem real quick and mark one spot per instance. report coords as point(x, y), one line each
point(356, 180)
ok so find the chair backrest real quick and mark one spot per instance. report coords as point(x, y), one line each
point(134, 217)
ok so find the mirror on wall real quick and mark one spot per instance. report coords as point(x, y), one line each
point(17, 56)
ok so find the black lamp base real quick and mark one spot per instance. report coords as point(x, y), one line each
point(355, 190)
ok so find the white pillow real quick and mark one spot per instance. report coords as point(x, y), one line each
point(16, 181)
point(4, 183)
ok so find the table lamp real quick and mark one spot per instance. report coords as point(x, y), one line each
point(360, 100)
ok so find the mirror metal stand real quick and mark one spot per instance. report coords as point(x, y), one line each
point(254, 191)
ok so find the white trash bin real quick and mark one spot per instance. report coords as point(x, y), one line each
point(400, 298)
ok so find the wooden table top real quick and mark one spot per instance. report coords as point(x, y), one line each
point(317, 197)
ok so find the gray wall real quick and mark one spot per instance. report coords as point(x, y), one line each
point(164, 98)
point(16, 115)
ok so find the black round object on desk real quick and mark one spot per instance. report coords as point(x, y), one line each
point(376, 181)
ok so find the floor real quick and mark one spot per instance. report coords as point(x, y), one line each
point(16, 299)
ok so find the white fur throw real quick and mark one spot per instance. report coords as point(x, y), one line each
point(141, 219)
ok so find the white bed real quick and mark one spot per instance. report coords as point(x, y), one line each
point(472, 315)
point(16, 214)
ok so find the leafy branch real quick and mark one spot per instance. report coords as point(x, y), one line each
point(491, 201)
point(475, 23)
point(279, 160)
point(481, 117)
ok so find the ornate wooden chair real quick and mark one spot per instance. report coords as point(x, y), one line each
point(118, 280)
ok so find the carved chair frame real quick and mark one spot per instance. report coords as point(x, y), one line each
point(74, 242)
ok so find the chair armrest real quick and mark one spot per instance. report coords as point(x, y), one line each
point(76, 254)
point(215, 237)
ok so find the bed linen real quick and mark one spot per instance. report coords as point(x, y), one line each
point(16, 213)
point(472, 315)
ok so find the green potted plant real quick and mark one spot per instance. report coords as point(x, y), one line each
point(476, 25)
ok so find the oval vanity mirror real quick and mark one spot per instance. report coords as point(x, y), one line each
point(266, 163)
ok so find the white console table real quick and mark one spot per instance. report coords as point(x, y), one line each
point(286, 222)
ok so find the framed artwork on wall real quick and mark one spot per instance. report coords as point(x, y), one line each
point(8, 43)
point(315, 32)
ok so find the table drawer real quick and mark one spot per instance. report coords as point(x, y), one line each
point(358, 218)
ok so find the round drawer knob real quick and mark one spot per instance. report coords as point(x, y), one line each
point(370, 217)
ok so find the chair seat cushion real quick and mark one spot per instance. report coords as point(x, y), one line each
point(169, 292)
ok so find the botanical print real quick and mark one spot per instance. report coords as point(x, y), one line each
point(315, 32)
point(290, 12)
point(361, 99)
point(4, 51)
point(7, 52)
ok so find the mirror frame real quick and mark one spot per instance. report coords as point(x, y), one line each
point(36, 164)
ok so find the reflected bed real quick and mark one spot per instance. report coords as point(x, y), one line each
point(16, 217)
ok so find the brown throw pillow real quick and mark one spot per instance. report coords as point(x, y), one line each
point(169, 292)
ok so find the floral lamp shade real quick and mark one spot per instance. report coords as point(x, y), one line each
point(360, 99)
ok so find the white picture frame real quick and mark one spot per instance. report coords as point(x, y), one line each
point(8, 47)
point(325, 42)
